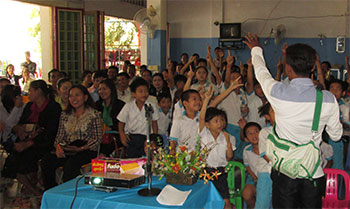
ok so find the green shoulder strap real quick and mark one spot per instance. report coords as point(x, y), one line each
point(317, 113)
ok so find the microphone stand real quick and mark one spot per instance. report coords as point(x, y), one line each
point(149, 191)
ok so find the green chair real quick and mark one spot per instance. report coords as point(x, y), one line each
point(234, 190)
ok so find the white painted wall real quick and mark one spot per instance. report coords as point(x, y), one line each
point(194, 18)
point(46, 40)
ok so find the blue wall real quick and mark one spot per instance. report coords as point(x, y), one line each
point(156, 49)
point(271, 51)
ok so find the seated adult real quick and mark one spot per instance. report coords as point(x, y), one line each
point(11, 108)
point(63, 86)
point(10, 74)
point(158, 85)
point(109, 106)
point(77, 139)
point(36, 131)
point(24, 82)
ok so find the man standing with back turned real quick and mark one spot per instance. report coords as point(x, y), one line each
point(294, 106)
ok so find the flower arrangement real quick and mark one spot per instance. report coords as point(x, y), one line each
point(184, 162)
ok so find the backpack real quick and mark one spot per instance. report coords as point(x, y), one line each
point(293, 160)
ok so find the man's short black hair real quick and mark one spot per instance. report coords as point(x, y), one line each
point(213, 112)
point(137, 83)
point(179, 78)
point(163, 95)
point(248, 125)
point(99, 74)
point(343, 84)
point(301, 57)
point(127, 62)
point(126, 75)
point(186, 94)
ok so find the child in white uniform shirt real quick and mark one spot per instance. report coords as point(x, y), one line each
point(184, 130)
point(164, 112)
point(133, 125)
point(254, 163)
point(219, 144)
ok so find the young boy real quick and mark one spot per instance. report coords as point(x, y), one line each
point(184, 130)
point(338, 87)
point(164, 104)
point(219, 144)
point(254, 164)
point(133, 124)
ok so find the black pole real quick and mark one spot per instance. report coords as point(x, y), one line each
point(149, 191)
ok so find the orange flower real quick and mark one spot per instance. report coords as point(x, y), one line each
point(183, 148)
point(176, 168)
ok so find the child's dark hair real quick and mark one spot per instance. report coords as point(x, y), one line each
point(85, 73)
point(163, 95)
point(8, 95)
point(203, 61)
point(52, 71)
point(301, 57)
point(157, 139)
point(4, 80)
point(186, 94)
point(213, 112)
point(264, 109)
point(148, 71)
point(61, 82)
point(126, 75)
point(248, 125)
point(199, 67)
point(343, 84)
point(112, 67)
point(99, 74)
point(179, 78)
point(137, 83)
point(327, 63)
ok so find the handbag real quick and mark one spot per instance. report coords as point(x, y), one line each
point(293, 160)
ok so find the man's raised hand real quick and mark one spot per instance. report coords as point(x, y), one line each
point(252, 41)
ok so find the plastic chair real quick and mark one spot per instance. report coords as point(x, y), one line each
point(331, 195)
point(234, 191)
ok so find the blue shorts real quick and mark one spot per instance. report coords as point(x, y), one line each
point(263, 191)
point(249, 180)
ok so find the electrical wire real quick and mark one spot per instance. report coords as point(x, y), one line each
point(76, 190)
point(268, 17)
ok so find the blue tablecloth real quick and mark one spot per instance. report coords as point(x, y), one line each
point(202, 196)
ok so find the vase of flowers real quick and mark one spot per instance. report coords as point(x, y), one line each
point(184, 167)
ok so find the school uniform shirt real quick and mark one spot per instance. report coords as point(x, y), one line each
point(254, 102)
point(294, 106)
point(232, 106)
point(326, 153)
point(217, 148)
point(163, 122)
point(179, 110)
point(185, 131)
point(256, 163)
point(206, 86)
point(135, 119)
point(125, 95)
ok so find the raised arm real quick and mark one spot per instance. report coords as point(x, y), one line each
point(347, 68)
point(230, 62)
point(190, 75)
point(182, 71)
point(212, 66)
point(250, 77)
point(170, 67)
point(225, 93)
point(207, 97)
point(279, 70)
point(319, 72)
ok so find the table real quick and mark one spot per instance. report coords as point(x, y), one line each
point(61, 196)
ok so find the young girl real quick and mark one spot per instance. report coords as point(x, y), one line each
point(201, 75)
point(220, 144)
